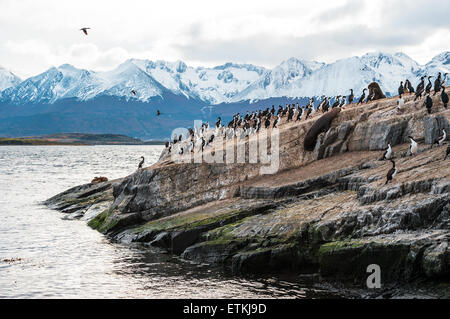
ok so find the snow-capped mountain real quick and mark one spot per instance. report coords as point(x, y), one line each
point(55, 83)
point(7, 79)
point(226, 83)
point(278, 82)
point(212, 85)
point(339, 77)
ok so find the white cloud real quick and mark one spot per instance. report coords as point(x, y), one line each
point(39, 34)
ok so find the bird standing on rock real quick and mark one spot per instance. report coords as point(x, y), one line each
point(428, 103)
point(363, 96)
point(400, 88)
point(350, 97)
point(444, 97)
point(420, 88)
point(141, 163)
point(391, 173)
point(400, 104)
point(275, 123)
point(447, 153)
point(437, 84)
point(440, 140)
point(429, 85)
point(413, 148)
point(388, 153)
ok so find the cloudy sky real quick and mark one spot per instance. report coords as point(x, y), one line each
point(38, 34)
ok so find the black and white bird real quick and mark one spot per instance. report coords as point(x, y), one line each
point(447, 153)
point(267, 122)
point(219, 122)
point(336, 102)
point(429, 85)
point(370, 97)
point(409, 86)
point(211, 139)
point(437, 84)
point(141, 163)
point(400, 103)
point(444, 97)
point(441, 139)
point(133, 92)
point(413, 147)
point(420, 88)
point(203, 143)
point(308, 112)
point(276, 121)
point(350, 97)
point(391, 173)
point(444, 81)
point(342, 103)
point(326, 104)
point(300, 113)
point(388, 153)
point(428, 102)
point(363, 96)
point(400, 88)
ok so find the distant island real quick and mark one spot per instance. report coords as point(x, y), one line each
point(77, 139)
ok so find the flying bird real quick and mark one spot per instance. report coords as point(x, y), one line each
point(133, 92)
point(84, 30)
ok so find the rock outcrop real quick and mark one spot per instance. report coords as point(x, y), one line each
point(326, 211)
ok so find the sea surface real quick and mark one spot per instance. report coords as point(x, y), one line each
point(62, 258)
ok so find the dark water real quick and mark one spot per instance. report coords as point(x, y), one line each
point(64, 259)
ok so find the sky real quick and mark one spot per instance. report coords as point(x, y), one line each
point(38, 34)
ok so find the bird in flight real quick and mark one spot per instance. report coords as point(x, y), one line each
point(133, 92)
point(85, 30)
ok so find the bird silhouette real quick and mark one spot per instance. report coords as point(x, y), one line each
point(84, 30)
point(133, 92)
point(141, 163)
point(158, 113)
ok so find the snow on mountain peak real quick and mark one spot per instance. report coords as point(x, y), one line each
point(7, 79)
point(229, 82)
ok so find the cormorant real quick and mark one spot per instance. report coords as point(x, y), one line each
point(413, 148)
point(420, 88)
point(276, 121)
point(428, 103)
point(85, 30)
point(363, 96)
point(350, 97)
point(440, 140)
point(400, 88)
point(447, 153)
point(444, 97)
point(267, 122)
point(388, 153)
point(437, 84)
point(141, 162)
point(391, 173)
point(429, 85)
point(336, 102)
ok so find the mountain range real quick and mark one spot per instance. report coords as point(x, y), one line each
point(66, 98)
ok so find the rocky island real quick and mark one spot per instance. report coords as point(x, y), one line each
point(327, 212)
